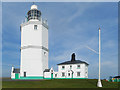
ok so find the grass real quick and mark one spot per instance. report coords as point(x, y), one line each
point(72, 83)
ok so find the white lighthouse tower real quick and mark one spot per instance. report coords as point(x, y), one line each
point(34, 45)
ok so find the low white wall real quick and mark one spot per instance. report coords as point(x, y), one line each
point(47, 75)
point(12, 75)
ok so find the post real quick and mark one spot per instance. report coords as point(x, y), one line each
point(99, 84)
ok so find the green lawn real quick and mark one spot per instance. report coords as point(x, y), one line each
point(75, 83)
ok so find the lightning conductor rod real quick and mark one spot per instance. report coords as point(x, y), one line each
point(99, 84)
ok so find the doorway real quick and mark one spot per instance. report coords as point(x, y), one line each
point(51, 75)
point(16, 75)
point(24, 74)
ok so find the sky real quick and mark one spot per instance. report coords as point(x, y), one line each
point(73, 27)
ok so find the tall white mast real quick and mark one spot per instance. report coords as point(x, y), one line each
point(99, 84)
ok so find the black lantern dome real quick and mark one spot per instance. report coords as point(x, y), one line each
point(34, 13)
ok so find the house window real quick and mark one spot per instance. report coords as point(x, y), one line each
point(55, 75)
point(70, 66)
point(68, 74)
point(78, 66)
point(63, 74)
point(63, 67)
point(78, 74)
point(35, 27)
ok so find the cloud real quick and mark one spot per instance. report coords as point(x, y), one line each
point(70, 48)
point(109, 44)
point(108, 68)
point(12, 56)
point(11, 45)
point(92, 50)
point(76, 12)
point(109, 64)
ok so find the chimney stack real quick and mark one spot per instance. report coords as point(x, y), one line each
point(73, 57)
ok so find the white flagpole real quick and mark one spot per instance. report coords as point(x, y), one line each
point(99, 84)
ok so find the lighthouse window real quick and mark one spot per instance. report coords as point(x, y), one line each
point(44, 53)
point(35, 27)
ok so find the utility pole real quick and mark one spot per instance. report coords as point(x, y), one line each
point(99, 84)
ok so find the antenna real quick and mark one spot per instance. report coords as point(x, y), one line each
point(99, 84)
point(92, 50)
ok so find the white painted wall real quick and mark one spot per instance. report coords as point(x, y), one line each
point(12, 74)
point(31, 62)
point(34, 59)
point(44, 60)
point(83, 69)
point(29, 36)
point(44, 44)
point(47, 74)
point(44, 36)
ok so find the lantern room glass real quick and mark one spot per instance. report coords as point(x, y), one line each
point(34, 14)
